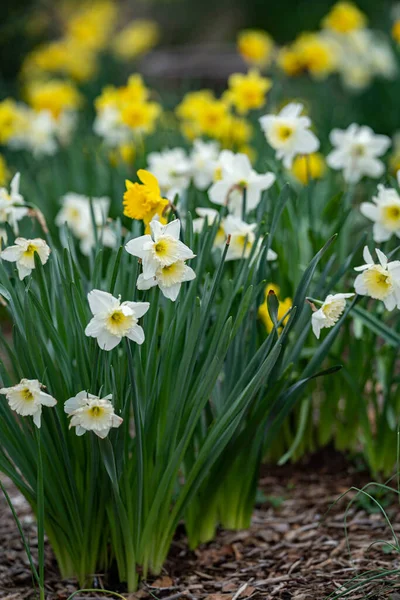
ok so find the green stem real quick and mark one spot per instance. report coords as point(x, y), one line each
point(40, 515)
point(139, 447)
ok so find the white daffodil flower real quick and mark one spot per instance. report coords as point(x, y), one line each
point(76, 213)
point(113, 320)
point(169, 279)
point(109, 126)
point(91, 413)
point(173, 170)
point(289, 133)
point(209, 216)
point(356, 152)
point(236, 175)
point(329, 313)
point(204, 158)
point(23, 254)
point(40, 137)
point(384, 211)
point(10, 212)
point(27, 398)
point(242, 239)
point(160, 249)
point(379, 281)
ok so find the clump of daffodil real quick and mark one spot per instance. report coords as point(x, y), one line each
point(247, 91)
point(143, 201)
point(308, 167)
point(137, 38)
point(255, 46)
point(284, 306)
point(55, 96)
point(344, 18)
point(124, 112)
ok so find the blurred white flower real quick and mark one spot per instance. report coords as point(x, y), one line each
point(204, 157)
point(91, 413)
point(172, 168)
point(113, 320)
point(356, 152)
point(379, 281)
point(76, 212)
point(242, 239)
point(40, 137)
point(289, 133)
point(27, 398)
point(65, 126)
point(160, 249)
point(209, 216)
point(384, 210)
point(237, 175)
point(10, 212)
point(109, 126)
point(168, 278)
point(329, 313)
point(23, 254)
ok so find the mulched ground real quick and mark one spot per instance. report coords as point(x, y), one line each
point(294, 550)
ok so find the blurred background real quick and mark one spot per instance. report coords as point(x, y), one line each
point(26, 23)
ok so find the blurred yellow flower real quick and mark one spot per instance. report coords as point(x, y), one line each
point(247, 91)
point(311, 166)
point(212, 117)
point(289, 61)
point(55, 96)
point(237, 132)
point(255, 46)
point(143, 201)
point(284, 306)
point(396, 31)
point(11, 120)
point(123, 154)
point(137, 38)
point(134, 91)
point(344, 17)
point(316, 54)
point(191, 104)
point(141, 116)
point(4, 172)
point(61, 57)
point(93, 24)
point(309, 52)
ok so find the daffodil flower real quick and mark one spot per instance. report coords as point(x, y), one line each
point(379, 281)
point(27, 398)
point(113, 320)
point(289, 133)
point(10, 212)
point(91, 413)
point(384, 210)
point(330, 312)
point(172, 168)
point(242, 239)
point(23, 254)
point(237, 176)
point(356, 152)
point(168, 278)
point(160, 249)
point(204, 157)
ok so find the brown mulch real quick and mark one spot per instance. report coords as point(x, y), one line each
point(294, 549)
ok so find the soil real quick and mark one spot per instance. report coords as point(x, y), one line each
point(294, 550)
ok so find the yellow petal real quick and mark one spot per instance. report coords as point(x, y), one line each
point(149, 180)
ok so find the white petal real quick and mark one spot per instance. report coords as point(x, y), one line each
point(139, 308)
point(135, 246)
point(37, 417)
point(171, 292)
point(94, 327)
point(382, 257)
point(136, 334)
point(369, 210)
point(11, 254)
point(367, 256)
point(107, 341)
point(100, 302)
point(46, 399)
point(173, 229)
point(145, 284)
